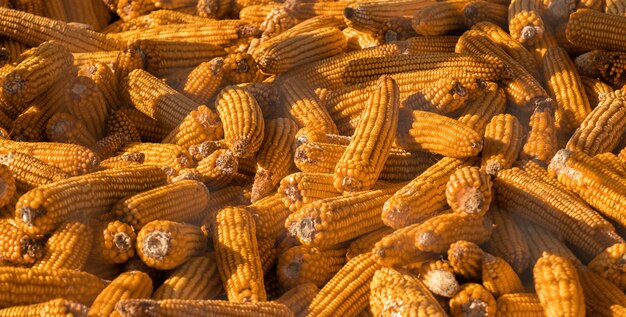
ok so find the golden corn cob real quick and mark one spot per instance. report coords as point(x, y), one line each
point(305, 10)
point(305, 107)
point(265, 95)
point(366, 242)
point(164, 56)
point(541, 143)
point(269, 214)
point(558, 287)
point(256, 14)
point(398, 292)
point(330, 221)
point(398, 249)
point(83, 61)
point(198, 126)
point(67, 248)
point(128, 60)
point(541, 240)
point(29, 172)
point(275, 22)
point(126, 159)
point(53, 308)
point(479, 11)
point(219, 168)
point(438, 233)
point(473, 300)
point(469, 191)
point(438, 277)
point(365, 156)
point(155, 99)
point(595, 89)
point(466, 259)
point(305, 135)
point(214, 8)
point(239, 68)
point(152, 19)
point(596, 30)
point(608, 265)
point(439, 18)
point(498, 276)
point(519, 304)
point(602, 298)
point(104, 78)
point(149, 129)
point(199, 308)
point(477, 113)
point(20, 248)
point(299, 189)
point(371, 15)
point(165, 244)
point(63, 127)
point(298, 298)
point(134, 284)
point(502, 143)
point(242, 119)
point(30, 286)
point(612, 162)
point(7, 185)
point(423, 197)
point(508, 240)
point(444, 95)
point(114, 242)
point(301, 264)
point(197, 279)
point(204, 81)
point(238, 257)
point(525, 23)
point(87, 104)
point(274, 159)
point(119, 123)
point(609, 66)
point(161, 154)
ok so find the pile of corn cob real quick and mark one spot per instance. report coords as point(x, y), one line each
point(312, 158)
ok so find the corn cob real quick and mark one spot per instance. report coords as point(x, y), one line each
point(444, 95)
point(87, 104)
point(541, 143)
point(199, 308)
point(299, 189)
point(134, 284)
point(305, 107)
point(53, 308)
point(269, 214)
point(19, 248)
point(7, 185)
point(275, 22)
point(602, 298)
point(330, 221)
point(594, 89)
point(606, 65)
point(31, 285)
point(29, 172)
point(152, 19)
point(114, 242)
point(126, 159)
point(238, 257)
point(398, 249)
point(508, 240)
point(438, 233)
point(109, 145)
point(214, 8)
point(256, 14)
point(204, 81)
point(161, 154)
point(305, 135)
point(197, 279)
point(7, 210)
point(239, 67)
point(479, 11)
point(302, 10)
point(439, 18)
point(398, 292)
point(473, 300)
point(165, 244)
point(104, 78)
point(438, 277)
point(502, 143)
point(466, 259)
point(301, 264)
point(243, 137)
point(128, 60)
point(469, 191)
point(525, 22)
point(541, 240)
point(366, 242)
point(63, 127)
point(165, 56)
point(298, 298)
point(558, 287)
point(275, 156)
point(477, 113)
point(149, 129)
point(423, 197)
point(85, 61)
point(67, 248)
point(371, 15)
point(596, 30)
point(519, 304)
point(219, 168)
point(612, 162)
point(43, 29)
point(498, 276)
point(198, 126)
point(608, 265)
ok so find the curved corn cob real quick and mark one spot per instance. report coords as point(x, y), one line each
point(105, 80)
point(24, 286)
point(275, 156)
point(298, 298)
point(608, 264)
point(134, 284)
point(473, 300)
point(198, 126)
point(53, 308)
point(466, 259)
point(199, 308)
point(396, 292)
point(19, 247)
point(439, 18)
point(165, 244)
point(602, 298)
point(525, 22)
point(160, 154)
point(166, 56)
point(87, 104)
point(269, 214)
point(195, 280)
point(114, 242)
point(183, 201)
point(594, 89)
point(558, 286)
point(348, 291)
point(329, 221)
point(502, 143)
point(479, 11)
point(219, 168)
point(242, 119)
point(398, 248)
point(366, 242)
point(498, 276)
point(438, 277)
point(477, 113)
point(67, 248)
point(596, 30)
point(519, 304)
point(609, 66)
point(423, 197)
point(238, 257)
point(438, 233)
point(469, 191)
point(204, 80)
point(28, 172)
point(438, 134)
point(301, 264)
point(371, 15)
point(541, 143)
point(508, 240)
point(365, 156)
point(299, 189)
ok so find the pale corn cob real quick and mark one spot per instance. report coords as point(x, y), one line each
point(329, 221)
point(29, 172)
point(466, 259)
point(305, 107)
point(20, 248)
point(104, 78)
point(301, 264)
point(602, 298)
point(199, 308)
point(508, 240)
point(498, 276)
point(204, 81)
point(596, 30)
point(274, 159)
point(608, 264)
point(134, 284)
point(149, 129)
point(398, 249)
point(468, 191)
point(502, 143)
point(238, 257)
point(595, 90)
point(558, 287)
point(477, 113)
point(242, 121)
point(63, 127)
point(197, 279)
point(219, 168)
point(438, 277)
point(479, 11)
point(473, 300)
point(299, 189)
point(87, 104)
point(519, 304)
point(43, 29)
point(541, 143)
point(423, 197)
point(399, 292)
point(67, 248)
point(269, 214)
point(371, 15)
point(298, 298)
point(356, 39)
point(198, 126)
point(366, 242)
point(439, 18)
point(164, 56)
point(438, 233)
point(525, 23)
point(161, 154)
point(53, 308)
point(114, 242)
point(165, 244)
point(612, 162)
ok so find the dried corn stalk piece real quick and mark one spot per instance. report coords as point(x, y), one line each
point(502, 143)
point(469, 191)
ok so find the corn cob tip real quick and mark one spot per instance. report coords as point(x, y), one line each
point(156, 244)
point(530, 32)
point(138, 308)
point(248, 30)
point(13, 85)
point(293, 193)
point(471, 199)
point(262, 185)
point(442, 282)
point(558, 164)
point(133, 157)
point(122, 241)
point(216, 65)
point(475, 308)
point(303, 229)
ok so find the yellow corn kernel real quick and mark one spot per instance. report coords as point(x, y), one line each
point(299, 298)
point(498, 276)
point(519, 304)
point(596, 30)
point(612, 162)
point(438, 233)
point(19, 248)
point(558, 287)
point(609, 66)
point(53, 308)
point(134, 284)
point(525, 23)
point(161, 154)
point(243, 136)
point(305, 107)
point(358, 40)
point(371, 15)
point(28, 172)
point(508, 241)
point(7, 185)
point(477, 113)
point(239, 68)
point(204, 80)
point(65, 128)
point(269, 214)
point(301, 264)
point(466, 259)
point(439, 18)
point(105, 80)
point(114, 242)
point(502, 143)
point(541, 143)
point(165, 244)
point(198, 126)
point(67, 248)
point(469, 191)
point(602, 298)
point(197, 279)
point(608, 264)
point(219, 168)
point(473, 300)
point(594, 88)
point(198, 308)
point(444, 95)
point(126, 159)
point(299, 189)
point(163, 57)
point(398, 249)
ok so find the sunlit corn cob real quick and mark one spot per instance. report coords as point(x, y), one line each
point(299, 189)
point(87, 104)
point(204, 80)
point(305, 135)
point(165, 244)
point(508, 241)
point(558, 287)
point(301, 264)
point(366, 242)
point(299, 298)
point(274, 159)
point(438, 277)
point(438, 233)
point(53, 308)
point(198, 126)
point(67, 248)
point(399, 292)
point(439, 18)
point(275, 22)
point(608, 264)
point(541, 143)
point(114, 242)
point(199, 308)
point(525, 23)
point(473, 300)
point(256, 14)
point(119, 122)
point(477, 113)
point(599, 187)
point(609, 66)
point(595, 90)
point(498, 276)
point(479, 11)
point(29, 172)
point(197, 279)
point(423, 197)
point(305, 107)
point(466, 259)
point(398, 249)
point(128, 60)
point(596, 30)
point(469, 191)
point(365, 156)
point(161, 154)
point(612, 162)
point(126, 159)
point(163, 56)
point(242, 121)
point(371, 15)
point(29, 286)
point(19, 247)
point(219, 168)
point(84, 61)
point(444, 95)
point(602, 298)
point(329, 221)
point(105, 80)
point(134, 284)
point(502, 143)
point(519, 304)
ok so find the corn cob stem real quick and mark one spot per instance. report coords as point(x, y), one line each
point(469, 191)
point(473, 300)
